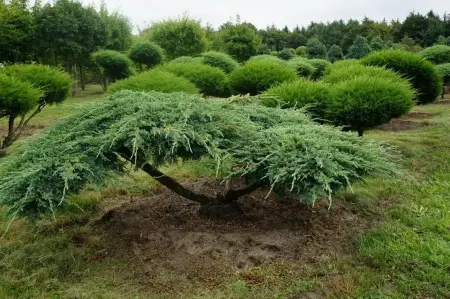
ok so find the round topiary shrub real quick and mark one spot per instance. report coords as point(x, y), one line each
point(444, 70)
point(146, 53)
point(359, 49)
point(210, 80)
point(349, 72)
point(335, 54)
point(316, 49)
point(299, 94)
point(155, 80)
point(268, 58)
point(438, 54)
point(341, 64)
point(301, 65)
point(55, 84)
point(113, 66)
point(301, 51)
point(259, 75)
point(320, 65)
point(221, 60)
point(365, 101)
point(187, 59)
point(422, 74)
point(285, 54)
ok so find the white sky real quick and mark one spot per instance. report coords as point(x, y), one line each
point(266, 12)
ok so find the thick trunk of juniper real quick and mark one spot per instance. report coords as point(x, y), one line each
point(223, 205)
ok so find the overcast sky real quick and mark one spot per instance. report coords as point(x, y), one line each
point(266, 12)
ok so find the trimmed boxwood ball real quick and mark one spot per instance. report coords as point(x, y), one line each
point(155, 80)
point(299, 94)
point(421, 73)
point(320, 65)
point(365, 101)
point(211, 81)
point(187, 59)
point(221, 60)
point(17, 97)
point(55, 84)
point(146, 53)
point(302, 67)
point(259, 75)
point(349, 72)
point(438, 54)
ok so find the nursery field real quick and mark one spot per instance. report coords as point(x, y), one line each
point(385, 238)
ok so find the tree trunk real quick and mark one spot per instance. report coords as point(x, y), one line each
point(223, 205)
point(10, 137)
point(360, 132)
point(82, 83)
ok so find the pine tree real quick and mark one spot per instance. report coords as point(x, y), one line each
point(359, 49)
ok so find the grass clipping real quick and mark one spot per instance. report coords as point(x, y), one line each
point(282, 149)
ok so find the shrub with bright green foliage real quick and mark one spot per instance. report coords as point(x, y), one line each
point(359, 49)
point(438, 54)
point(211, 81)
point(320, 65)
point(285, 54)
point(259, 75)
point(299, 94)
point(187, 59)
point(335, 53)
point(178, 37)
point(364, 102)
point(377, 44)
point(302, 67)
point(264, 49)
point(31, 85)
point(278, 148)
point(146, 53)
point(302, 51)
point(113, 65)
point(55, 83)
point(221, 60)
point(422, 74)
point(316, 49)
point(444, 71)
point(17, 97)
point(155, 80)
point(268, 58)
point(341, 64)
point(345, 73)
point(241, 41)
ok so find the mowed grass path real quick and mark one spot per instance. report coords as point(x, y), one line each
point(406, 254)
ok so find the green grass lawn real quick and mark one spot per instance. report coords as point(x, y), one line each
point(405, 253)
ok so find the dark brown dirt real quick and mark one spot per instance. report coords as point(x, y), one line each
point(420, 115)
point(166, 234)
point(441, 102)
point(397, 125)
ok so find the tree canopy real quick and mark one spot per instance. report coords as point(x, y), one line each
point(282, 149)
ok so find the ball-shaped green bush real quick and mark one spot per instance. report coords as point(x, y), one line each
point(444, 71)
point(285, 54)
point(301, 65)
point(114, 65)
point(187, 59)
point(421, 73)
point(298, 94)
point(438, 54)
point(17, 97)
point(349, 72)
point(155, 80)
point(55, 84)
point(221, 60)
point(146, 53)
point(211, 81)
point(266, 57)
point(259, 75)
point(341, 64)
point(320, 65)
point(316, 49)
point(301, 51)
point(364, 102)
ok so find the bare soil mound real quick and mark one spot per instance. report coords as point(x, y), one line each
point(397, 125)
point(420, 115)
point(166, 234)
